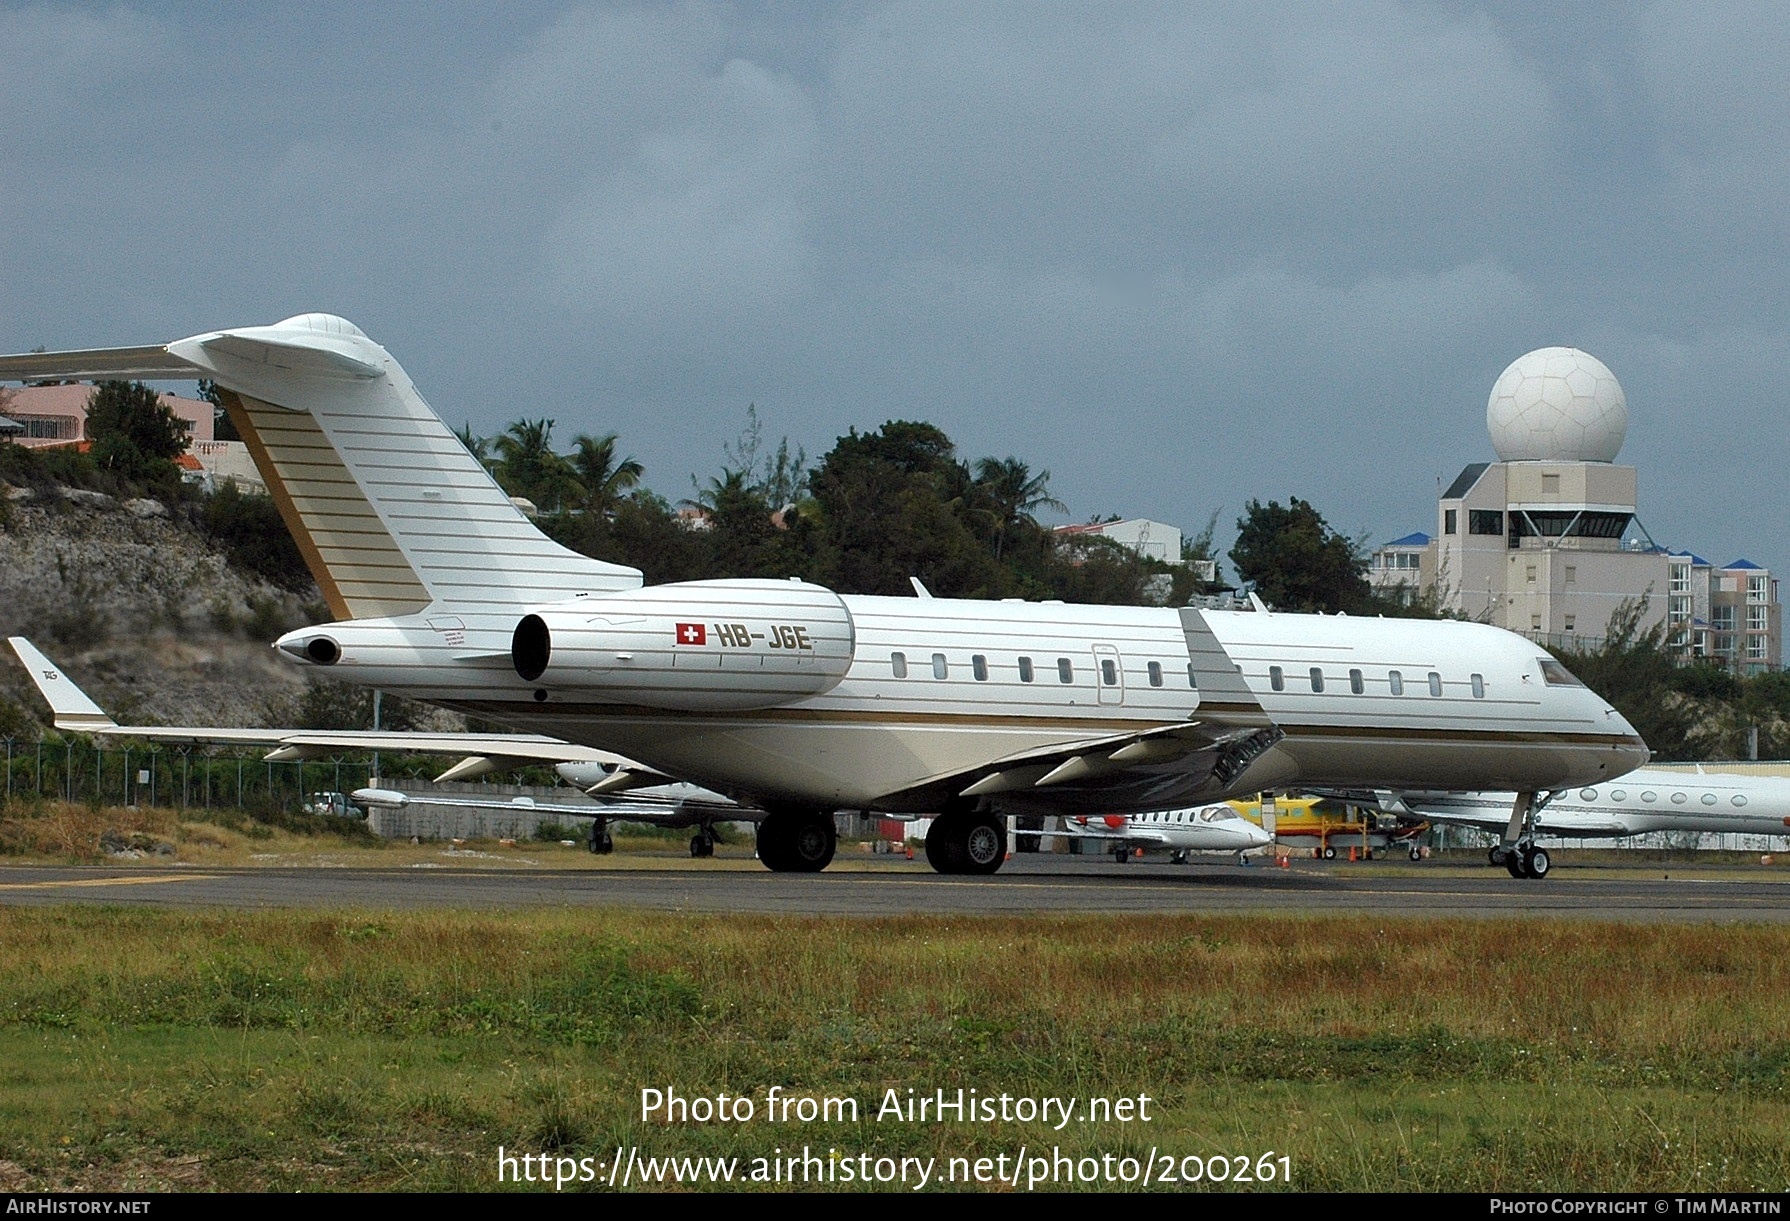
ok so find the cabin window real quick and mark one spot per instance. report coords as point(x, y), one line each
point(1025, 669)
point(1435, 683)
point(939, 668)
point(1396, 681)
point(1709, 799)
point(1619, 795)
point(1557, 675)
point(1109, 671)
point(1277, 678)
point(1155, 668)
point(1357, 682)
point(979, 667)
point(1193, 679)
point(898, 664)
point(1317, 678)
point(1478, 686)
point(1677, 799)
point(1587, 794)
point(1649, 796)
point(1739, 799)
point(1065, 670)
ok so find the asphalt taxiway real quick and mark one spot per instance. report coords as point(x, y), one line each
point(892, 887)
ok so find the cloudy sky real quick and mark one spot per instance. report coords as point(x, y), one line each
point(1179, 255)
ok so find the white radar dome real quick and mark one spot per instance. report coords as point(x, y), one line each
point(1557, 405)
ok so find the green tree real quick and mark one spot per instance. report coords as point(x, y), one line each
point(527, 466)
point(479, 447)
point(1012, 493)
point(888, 511)
point(249, 529)
point(1298, 563)
point(135, 435)
point(604, 477)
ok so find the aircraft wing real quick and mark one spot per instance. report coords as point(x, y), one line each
point(1169, 765)
point(671, 805)
point(73, 710)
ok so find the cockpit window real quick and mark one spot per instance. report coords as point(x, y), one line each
point(1557, 675)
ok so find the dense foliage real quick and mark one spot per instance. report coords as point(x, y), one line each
point(879, 509)
point(134, 434)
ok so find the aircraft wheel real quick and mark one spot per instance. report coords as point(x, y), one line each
point(1177, 858)
point(1121, 855)
point(941, 844)
point(702, 845)
point(1513, 863)
point(1416, 854)
point(796, 841)
point(1536, 863)
point(1329, 853)
point(984, 845)
point(600, 843)
point(1498, 855)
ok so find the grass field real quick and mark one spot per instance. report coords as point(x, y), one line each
point(285, 1050)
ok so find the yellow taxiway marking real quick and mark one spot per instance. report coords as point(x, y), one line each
point(130, 881)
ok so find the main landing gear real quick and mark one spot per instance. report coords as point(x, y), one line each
point(794, 841)
point(600, 843)
point(1518, 852)
point(703, 842)
point(965, 842)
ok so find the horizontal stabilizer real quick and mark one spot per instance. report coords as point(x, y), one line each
point(151, 363)
point(74, 710)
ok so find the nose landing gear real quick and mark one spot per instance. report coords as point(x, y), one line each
point(1519, 853)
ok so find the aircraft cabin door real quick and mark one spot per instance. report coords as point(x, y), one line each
point(1109, 674)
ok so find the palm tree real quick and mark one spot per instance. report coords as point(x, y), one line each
point(603, 477)
point(479, 447)
point(1013, 492)
point(527, 466)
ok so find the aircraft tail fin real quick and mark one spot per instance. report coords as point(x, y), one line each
point(70, 706)
point(389, 510)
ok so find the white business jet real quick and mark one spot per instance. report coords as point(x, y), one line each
point(1209, 828)
point(1648, 799)
point(797, 700)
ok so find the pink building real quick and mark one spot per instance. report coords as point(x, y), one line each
point(57, 415)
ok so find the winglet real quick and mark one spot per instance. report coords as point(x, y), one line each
point(72, 709)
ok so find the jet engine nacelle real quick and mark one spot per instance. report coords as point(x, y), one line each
point(696, 645)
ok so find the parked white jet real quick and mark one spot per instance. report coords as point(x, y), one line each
point(1209, 828)
point(1648, 799)
point(791, 697)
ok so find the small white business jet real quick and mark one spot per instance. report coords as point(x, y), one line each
point(1209, 828)
point(1648, 799)
point(801, 701)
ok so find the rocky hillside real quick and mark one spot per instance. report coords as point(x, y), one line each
point(142, 611)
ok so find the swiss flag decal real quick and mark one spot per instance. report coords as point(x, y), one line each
point(692, 633)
